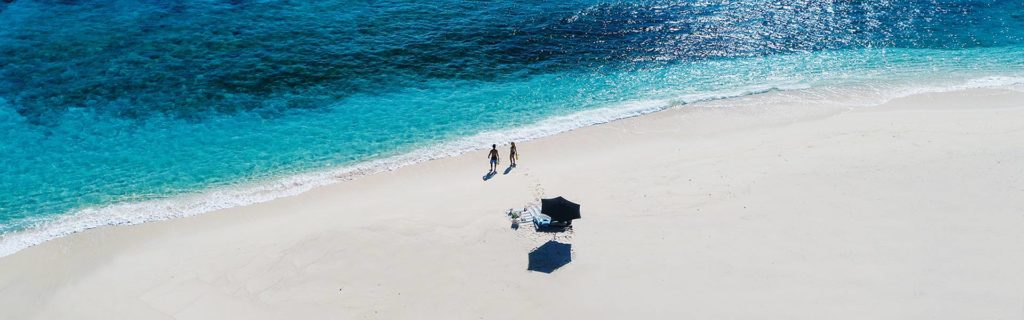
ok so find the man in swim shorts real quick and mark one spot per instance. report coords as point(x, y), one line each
point(493, 155)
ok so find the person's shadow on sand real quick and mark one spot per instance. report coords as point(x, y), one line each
point(489, 175)
point(509, 169)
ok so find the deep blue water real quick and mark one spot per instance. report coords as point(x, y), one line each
point(118, 101)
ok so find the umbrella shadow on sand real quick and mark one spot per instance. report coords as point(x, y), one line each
point(549, 257)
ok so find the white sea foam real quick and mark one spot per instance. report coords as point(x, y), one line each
point(251, 193)
point(883, 94)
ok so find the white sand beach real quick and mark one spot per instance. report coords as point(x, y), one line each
point(732, 209)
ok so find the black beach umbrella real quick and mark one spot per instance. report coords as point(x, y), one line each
point(560, 209)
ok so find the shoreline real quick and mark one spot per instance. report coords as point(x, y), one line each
point(240, 195)
point(910, 209)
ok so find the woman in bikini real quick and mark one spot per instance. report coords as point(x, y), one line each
point(513, 154)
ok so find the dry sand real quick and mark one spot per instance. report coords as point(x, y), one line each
point(736, 209)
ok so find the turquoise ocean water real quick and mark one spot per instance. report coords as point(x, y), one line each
point(118, 111)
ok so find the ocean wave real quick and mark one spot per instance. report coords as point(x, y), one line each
point(47, 228)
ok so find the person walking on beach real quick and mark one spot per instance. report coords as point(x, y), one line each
point(493, 155)
point(513, 154)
